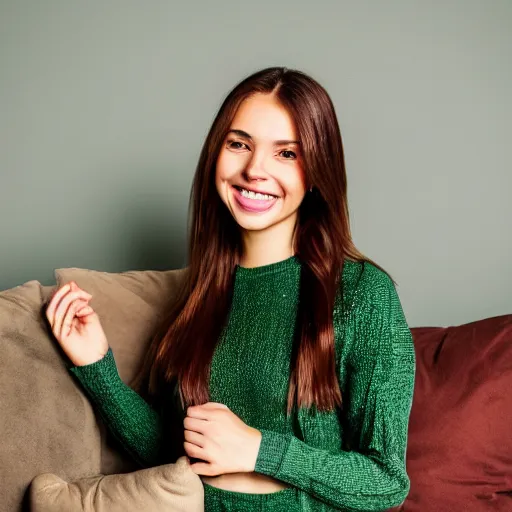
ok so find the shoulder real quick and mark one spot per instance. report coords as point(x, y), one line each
point(364, 285)
point(369, 313)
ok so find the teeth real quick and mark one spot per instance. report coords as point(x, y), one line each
point(254, 195)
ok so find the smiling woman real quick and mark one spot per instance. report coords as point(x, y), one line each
point(285, 369)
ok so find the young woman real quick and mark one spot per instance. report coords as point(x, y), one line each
point(285, 370)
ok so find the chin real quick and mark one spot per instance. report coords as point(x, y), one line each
point(253, 224)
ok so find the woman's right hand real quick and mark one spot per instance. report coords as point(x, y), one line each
point(76, 326)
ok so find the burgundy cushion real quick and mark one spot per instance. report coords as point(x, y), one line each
point(459, 452)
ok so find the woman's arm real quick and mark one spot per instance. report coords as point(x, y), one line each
point(380, 383)
point(132, 421)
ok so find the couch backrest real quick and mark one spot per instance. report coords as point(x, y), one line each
point(459, 451)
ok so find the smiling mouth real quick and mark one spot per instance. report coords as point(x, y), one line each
point(251, 194)
point(253, 202)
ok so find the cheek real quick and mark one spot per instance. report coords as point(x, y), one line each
point(227, 166)
point(302, 179)
point(297, 184)
point(220, 168)
point(221, 174)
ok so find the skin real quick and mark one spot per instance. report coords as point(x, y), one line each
point(213, 433)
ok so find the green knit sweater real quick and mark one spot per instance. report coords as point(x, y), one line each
point(349, 459)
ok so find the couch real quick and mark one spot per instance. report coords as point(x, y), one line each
point(459, 455)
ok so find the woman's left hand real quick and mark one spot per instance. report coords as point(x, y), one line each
point(216, 435)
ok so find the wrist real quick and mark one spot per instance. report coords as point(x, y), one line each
point(90, 359)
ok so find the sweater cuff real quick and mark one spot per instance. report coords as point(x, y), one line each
point(272, 451)
point(97, 377)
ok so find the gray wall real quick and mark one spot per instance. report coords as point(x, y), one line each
point(104, 106)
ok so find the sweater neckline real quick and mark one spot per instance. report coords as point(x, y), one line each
point(270, 269)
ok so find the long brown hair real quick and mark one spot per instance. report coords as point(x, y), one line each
point(182, 351)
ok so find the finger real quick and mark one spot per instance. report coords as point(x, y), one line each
point(194, 451)
point(213, 405)
point(58, 294)
point(88, 318)
point(196, 411)
point(206, 411)
point(194, 438)
point(84, 305)
point(194, 424)
point(87, 310)
point(57, 300)
point(67, 322)
point(204, 469)
point(63, 307)
point(52, 306)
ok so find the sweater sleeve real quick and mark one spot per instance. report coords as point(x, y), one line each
point(372, 475)
point(132, 421)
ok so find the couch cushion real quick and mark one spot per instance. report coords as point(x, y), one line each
point(166, 488)
point(459, 452)
point(130, 306)
point(47, 424)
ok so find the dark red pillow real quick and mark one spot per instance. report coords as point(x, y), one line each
point(459, 452)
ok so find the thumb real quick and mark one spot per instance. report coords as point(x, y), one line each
point(86, 315)
point(86, 310)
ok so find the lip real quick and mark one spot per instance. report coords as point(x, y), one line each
point(253, 205)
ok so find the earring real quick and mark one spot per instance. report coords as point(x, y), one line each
point(311, 189)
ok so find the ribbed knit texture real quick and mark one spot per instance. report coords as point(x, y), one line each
point(351, 459)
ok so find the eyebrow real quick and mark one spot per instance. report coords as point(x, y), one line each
point(245, 135)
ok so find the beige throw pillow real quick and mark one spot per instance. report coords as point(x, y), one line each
point(167, 488)
point(130, 305)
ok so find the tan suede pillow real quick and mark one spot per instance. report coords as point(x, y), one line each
point(46, 423)
point(167, 488)
point(130, 306)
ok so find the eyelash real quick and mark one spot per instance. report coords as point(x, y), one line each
point(229, 142)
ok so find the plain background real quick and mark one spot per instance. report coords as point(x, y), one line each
point(104, 106)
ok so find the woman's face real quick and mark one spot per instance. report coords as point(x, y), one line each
point(259, 175)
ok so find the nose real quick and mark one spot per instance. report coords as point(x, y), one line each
point(254, 170)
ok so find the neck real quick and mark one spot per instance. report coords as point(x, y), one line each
point(268, 246)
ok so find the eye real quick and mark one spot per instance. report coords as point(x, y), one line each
point(290, 153)
point(230, 144)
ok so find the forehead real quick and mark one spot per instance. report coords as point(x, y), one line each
point(264, 118)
